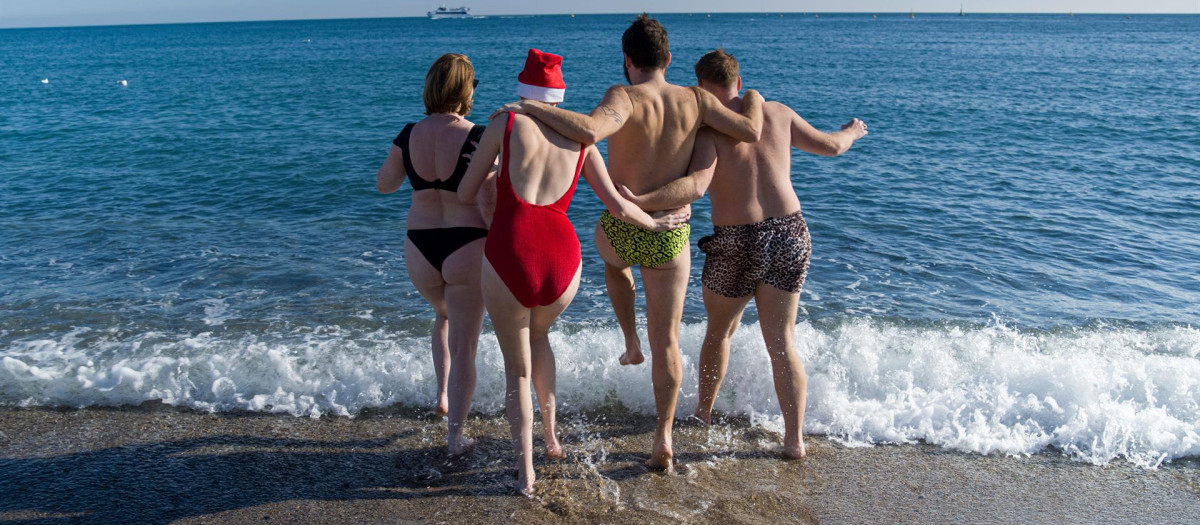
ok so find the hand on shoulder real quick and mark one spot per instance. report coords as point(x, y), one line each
point(519, 107)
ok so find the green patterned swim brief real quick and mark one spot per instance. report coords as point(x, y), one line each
point(637, 245)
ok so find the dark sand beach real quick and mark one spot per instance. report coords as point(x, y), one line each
point(157, 464)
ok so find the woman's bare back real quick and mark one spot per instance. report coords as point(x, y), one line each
point(543, 163)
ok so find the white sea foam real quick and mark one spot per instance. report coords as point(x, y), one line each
point(1095, 394)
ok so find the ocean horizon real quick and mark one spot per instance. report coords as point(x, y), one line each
point(888, 14)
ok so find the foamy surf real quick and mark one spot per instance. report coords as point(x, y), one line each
point(1095, 394)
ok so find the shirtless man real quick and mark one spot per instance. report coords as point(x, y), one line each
point(760, 245)
point(651, 127)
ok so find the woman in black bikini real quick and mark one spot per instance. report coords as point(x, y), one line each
point(444, 245)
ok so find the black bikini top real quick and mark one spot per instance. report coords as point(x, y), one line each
point(450, 184)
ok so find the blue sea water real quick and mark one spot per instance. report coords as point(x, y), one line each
point(1009, 261)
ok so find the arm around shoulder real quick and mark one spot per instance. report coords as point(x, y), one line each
point(744, 127)
point(603, 121)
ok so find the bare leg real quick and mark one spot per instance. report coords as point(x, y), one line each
point(544, 385)
point(464, 303)
point(618, 279)
point(511, 321)
point(441, 362)
point(543, 318)
point(724, 315)
point(777, 317)
point(431, 286)
point(665, 289)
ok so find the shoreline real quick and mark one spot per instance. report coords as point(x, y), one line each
point(163, 464)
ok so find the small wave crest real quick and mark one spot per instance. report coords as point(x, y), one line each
point(1096, 394)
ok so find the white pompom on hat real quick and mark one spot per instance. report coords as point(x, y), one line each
point(542, 78)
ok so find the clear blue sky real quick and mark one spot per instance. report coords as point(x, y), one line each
point(37, 13)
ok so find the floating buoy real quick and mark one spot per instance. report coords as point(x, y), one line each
point(123, 82)
point(45, 81)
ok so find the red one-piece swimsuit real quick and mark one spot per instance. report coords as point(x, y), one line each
point(532, 247)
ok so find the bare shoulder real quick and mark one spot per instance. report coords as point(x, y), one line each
point(522, 119)
point(775, 108)
point(526, 123)
point(618, 88)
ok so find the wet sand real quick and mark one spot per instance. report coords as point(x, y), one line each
point(156, 464)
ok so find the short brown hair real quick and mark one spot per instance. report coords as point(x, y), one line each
point(717, 67)
point(645, 42)
point(448, 85)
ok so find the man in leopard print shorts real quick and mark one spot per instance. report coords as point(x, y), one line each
point(760, 245)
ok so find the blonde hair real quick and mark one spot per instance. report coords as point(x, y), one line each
point(717, 67)
point(448, 86)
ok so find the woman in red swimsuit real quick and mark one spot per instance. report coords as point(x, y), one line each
point(532, 259)
point(445, 237)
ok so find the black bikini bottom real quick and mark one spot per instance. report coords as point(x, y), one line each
point(436, 244)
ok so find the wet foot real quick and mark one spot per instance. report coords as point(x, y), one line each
point(524, 490)
point(443, 406)
point(462, 446)
point(633, 353)
point(703, 416)
point(524, 486)
point(553, 449)
point(794, 452)
point(661, 459)
point(661, 464)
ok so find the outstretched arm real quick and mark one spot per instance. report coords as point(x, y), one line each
point(812, 140)
point(482, 161)
point(603, 121)
point(684, 190)
point(744, 127)
point(391, 174)
point(597, 177)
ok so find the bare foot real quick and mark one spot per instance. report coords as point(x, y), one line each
point(443, 406)
point(524, 486)
point(553, 449)
point(705, 416)
point(463, 445)
point(633, 352)
point(794, 452)
point(661, 458)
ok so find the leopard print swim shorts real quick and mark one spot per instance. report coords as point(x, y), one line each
point(775, 251)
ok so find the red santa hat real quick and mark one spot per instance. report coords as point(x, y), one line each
point(542, 78)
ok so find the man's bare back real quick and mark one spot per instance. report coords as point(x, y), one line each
point(753, 181)
point(655, 145)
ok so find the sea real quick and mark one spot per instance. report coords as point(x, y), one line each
point(1009, 263)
